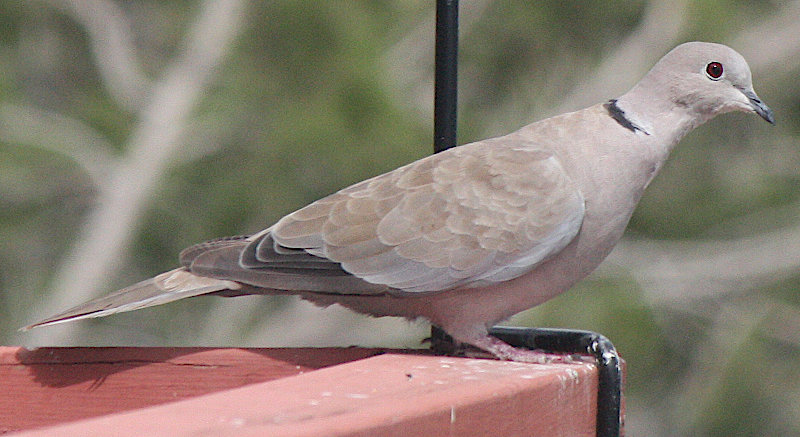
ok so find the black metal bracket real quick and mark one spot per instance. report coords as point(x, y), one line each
point(609, 383)
point(567, 341)
point(609, 386)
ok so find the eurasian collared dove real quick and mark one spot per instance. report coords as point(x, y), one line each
point(470, 236)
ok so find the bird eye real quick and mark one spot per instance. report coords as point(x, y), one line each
point(714, 70)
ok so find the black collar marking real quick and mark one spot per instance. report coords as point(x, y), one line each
point(619, 115)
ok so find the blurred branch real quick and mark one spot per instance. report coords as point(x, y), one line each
point(783, 324)
point(409, 63)
point(681, 272)
point(34, 127)
point(100, 247)
point(773, 43)
point(660, 27)
point(111, 40)
point(711, 361)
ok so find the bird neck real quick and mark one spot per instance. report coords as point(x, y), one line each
point(660, 117)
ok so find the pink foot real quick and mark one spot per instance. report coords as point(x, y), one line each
point(505, 351)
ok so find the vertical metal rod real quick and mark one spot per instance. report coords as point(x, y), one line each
point(445, 105)
point(446, 78)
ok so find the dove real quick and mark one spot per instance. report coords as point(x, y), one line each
point(470, 236)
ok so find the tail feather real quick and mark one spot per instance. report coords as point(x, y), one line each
point(166, 287)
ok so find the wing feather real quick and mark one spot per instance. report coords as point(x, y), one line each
point(478, 213)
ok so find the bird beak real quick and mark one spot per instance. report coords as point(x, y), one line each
point(759, 107)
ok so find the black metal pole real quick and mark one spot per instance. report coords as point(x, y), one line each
point(445, 102)
point(446, 78)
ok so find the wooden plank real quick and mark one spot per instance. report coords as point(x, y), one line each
point(390, 394)
point(48, 386)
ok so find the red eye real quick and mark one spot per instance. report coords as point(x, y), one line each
point(714, 70)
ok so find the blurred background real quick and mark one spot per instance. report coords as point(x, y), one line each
point(132, 129)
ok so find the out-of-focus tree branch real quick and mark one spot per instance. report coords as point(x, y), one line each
point(111, 40)
point(100, 247)
point(409, 63)
point(679, 272)
point(33, 127)
point(711, 361)
point(773, 43)
point(661, 26)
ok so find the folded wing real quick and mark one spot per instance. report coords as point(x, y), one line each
point(479, 214)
